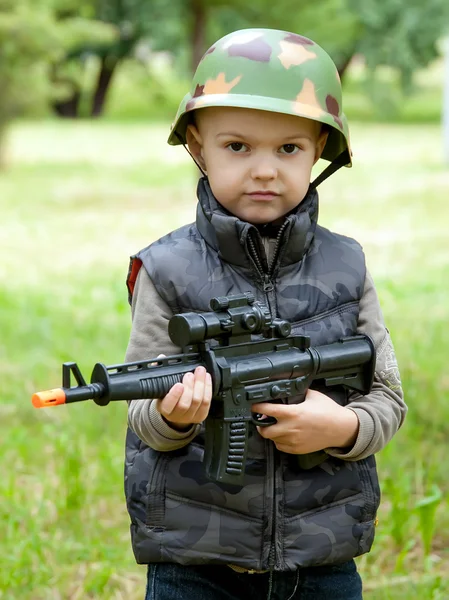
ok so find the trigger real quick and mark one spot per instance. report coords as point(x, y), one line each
point(263, 422)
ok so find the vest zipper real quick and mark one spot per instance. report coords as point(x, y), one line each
point(267, 284)
point(277, 248)
point(272, 554)
point(267, 276)
point(269, 288)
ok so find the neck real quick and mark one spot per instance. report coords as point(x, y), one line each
point(228, 234)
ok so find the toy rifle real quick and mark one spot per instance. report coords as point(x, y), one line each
point(276, 367)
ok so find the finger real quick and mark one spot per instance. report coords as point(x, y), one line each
point(208, 388)
point(287, 448)
point(178, 404)
point(167, 404)
point(273, 432)
point(204, 408)
point(270, 409)
point(184, 403)
point(153, 364)
point(199, 386)
point(260, 417)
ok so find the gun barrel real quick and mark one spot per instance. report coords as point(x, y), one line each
point(48, 398)
point(127, 381)
point(67, 395)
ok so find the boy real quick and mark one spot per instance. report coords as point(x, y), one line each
point(264, 106)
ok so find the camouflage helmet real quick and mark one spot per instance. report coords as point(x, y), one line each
point(268, 69)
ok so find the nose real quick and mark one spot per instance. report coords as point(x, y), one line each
point(263, 167)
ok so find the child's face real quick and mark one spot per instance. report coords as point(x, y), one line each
point(258, 162)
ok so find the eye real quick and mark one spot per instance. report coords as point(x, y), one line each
point(289, 149)
point(238, 147)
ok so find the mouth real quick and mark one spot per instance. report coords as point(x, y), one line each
point(263, 195)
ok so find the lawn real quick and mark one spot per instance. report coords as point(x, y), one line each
point(76, 200)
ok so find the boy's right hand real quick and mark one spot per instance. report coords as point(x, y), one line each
point(188, 402)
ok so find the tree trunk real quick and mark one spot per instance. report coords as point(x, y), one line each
point(68, 108)
point(343, 66)
point(198, 16)
point(107, 69)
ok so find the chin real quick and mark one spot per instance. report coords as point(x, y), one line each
point(254, 219)
point(260, 218)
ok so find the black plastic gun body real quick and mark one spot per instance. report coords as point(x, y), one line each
point(277, 367)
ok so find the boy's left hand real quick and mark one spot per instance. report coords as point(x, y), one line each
point(315, 424)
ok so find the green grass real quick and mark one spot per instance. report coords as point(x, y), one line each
point(76, 201)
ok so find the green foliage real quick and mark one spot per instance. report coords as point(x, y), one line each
point(144, 92)
point(397, 34)
point(78, 34)
point(380, 98)
point(28, 39)
point(399, 490)
point(308, 18)
point(68, 50)
point(401, 34)
point(427, 510)
point(31, 38)
point(132, 21)
point(143, 18)
point(100, 192)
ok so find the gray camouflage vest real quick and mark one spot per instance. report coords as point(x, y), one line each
point(283, 517)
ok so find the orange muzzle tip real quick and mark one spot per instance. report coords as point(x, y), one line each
point(48, 398)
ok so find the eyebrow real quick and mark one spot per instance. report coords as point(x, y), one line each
point(234, 134)
point(229, 134)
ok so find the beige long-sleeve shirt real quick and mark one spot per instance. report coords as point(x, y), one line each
point(380, 413)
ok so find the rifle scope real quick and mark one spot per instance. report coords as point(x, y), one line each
point(239, 315)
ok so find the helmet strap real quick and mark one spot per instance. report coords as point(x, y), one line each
point(341, 160)
point(188, 151)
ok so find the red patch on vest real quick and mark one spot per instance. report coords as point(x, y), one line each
point(134, 268)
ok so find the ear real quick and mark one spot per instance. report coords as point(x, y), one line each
point(195, 145)
point(321, 142)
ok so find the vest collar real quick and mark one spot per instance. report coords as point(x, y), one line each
point(228, 234)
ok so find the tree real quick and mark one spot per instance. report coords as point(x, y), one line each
point(31, 38)
point(27, 40)
point(92, 34)
point(308, 17)
point(401, 34)
point(157, 21)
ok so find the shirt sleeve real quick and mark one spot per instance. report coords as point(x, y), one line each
point(149, 338)
point(382, 411)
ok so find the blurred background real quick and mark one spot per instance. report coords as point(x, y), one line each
point(88, 89)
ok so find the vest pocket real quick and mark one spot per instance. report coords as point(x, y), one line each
point(155, 511)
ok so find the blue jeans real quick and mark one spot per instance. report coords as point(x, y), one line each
point(167, 581)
